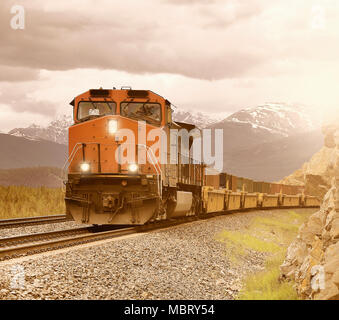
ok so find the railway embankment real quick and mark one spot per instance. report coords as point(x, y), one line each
point(312, 260)
point(206, 259)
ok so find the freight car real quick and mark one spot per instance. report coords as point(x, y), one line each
point(101, 188)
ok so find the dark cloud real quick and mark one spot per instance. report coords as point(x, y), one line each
point(208, 40)
point(116, 38)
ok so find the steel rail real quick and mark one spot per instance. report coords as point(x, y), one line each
point(64, 241)
point(39, 236)
point(17, 222)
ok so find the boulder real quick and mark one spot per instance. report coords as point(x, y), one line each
point(332, 265)
point(335, 229)
point(335, 278)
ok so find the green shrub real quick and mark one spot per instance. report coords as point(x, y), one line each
point(266, 285)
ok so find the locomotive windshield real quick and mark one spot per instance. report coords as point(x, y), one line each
point(150, 112)
point(87, 109)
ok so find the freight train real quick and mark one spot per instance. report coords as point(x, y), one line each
point(104, 186)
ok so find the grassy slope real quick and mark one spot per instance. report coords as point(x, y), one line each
point(22, 201)
point(271, 236)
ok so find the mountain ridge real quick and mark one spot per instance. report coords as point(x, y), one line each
point(56, 131)
point(251, 137)
point(18, 152)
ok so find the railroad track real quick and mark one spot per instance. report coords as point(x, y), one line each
point(16, 246)
point(19, 222)
point(13, 247)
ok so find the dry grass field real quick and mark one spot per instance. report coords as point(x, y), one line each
point(19, 201)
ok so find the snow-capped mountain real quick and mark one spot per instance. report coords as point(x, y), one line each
point(56, 131)
point(267, 141)
point(200, 119)
point(277, 118)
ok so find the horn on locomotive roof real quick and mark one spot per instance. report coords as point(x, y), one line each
point(126, 88)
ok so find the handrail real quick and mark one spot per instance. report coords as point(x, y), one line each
point(158, 170)
point(68, 162)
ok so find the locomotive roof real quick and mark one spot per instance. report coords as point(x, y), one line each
point(97, 93)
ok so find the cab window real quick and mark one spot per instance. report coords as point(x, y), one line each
point(150, 112)
point(89, 109)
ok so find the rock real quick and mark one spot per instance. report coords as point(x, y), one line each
point(235, 287)
point(330, 136)
point(331, 292)
point(296, 254)
point(307, 233)
point(335, 229)
point(335, 278)
point(4, 291)
point(317, 252)
point(332, 265)
point(333, 215)
point(220, 281)
point(331, 251)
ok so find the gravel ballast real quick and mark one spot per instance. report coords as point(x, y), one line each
point(182, 262)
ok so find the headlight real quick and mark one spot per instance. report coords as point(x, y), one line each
point(84, 167)
point(112, 126)
point(133, 167)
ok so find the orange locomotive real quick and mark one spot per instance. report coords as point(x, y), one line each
point(102, 188)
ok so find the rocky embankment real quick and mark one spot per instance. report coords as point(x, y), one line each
point(312, 260)
point(316, 174)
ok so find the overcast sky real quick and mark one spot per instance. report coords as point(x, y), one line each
point(214, 56)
